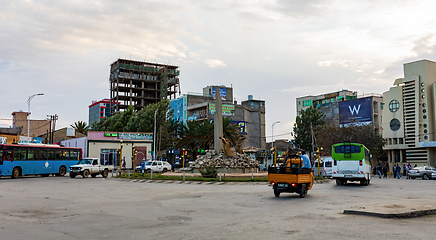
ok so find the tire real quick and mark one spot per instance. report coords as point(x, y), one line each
point(412, 177)
point(425, 177)
point(16, 173)
point(72, 175)
point(339, 182)
point(276, 193)
point(303, 192)
point(104, 173)
point(93, 175)
point(85, 173)
point(62, 171)
point(164, 170)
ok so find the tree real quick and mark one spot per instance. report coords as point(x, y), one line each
point(333, 133)
point(302, 132)
point(81, 127)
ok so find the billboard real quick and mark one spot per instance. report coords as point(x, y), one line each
point(222, 93)
point(357, 110)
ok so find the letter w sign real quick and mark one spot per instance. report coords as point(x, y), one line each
point(354, 109)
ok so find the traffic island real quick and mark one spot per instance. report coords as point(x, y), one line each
point(393, 211)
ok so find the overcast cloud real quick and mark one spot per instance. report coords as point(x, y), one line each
point(274, 50)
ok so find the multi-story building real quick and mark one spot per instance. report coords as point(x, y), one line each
point(140, 83)
point(99, 110)
point(346, 107)
point(249, 115)
point(37, 127)
point(409, 118)
point(323, 99)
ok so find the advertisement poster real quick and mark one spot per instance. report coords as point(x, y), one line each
point(357, 110)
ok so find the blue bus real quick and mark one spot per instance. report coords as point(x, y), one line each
point(37, 159)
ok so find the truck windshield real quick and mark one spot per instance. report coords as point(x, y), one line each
point(85, 161)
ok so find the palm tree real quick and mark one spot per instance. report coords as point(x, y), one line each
point(81, 127)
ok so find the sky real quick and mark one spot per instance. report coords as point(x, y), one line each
point(276, 51)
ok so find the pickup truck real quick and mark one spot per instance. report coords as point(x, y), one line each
point(90, 166)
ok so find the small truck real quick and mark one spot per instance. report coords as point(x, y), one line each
point(90, 166)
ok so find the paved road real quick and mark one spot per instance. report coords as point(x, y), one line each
point(64, 208)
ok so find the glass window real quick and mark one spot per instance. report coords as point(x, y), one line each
point(394, 105)
point(395, 124)
point(20, 154)
point(31, 154)
point(51, 154)
point(381, 106)
point(43, 154)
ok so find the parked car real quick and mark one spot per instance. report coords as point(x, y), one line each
point(424, 172)
point(156, 166)
point(433, 175)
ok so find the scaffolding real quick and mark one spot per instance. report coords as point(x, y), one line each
point(140, 83)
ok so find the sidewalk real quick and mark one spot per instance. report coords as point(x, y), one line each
point(223, 175)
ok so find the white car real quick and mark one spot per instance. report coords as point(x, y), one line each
point(156, 166)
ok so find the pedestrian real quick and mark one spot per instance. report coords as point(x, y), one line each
point(385, 171)
point(404, 170)
point(379, 170)
point(398, 171)
point(394, 171)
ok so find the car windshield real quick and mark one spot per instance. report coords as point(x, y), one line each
point(148, 163)
point(85, 161)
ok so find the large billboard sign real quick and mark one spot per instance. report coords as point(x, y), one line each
point(357, 110)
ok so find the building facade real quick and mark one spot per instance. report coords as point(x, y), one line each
point(37, 127)
point(249, 115)
point(140, 83)
point(99, 110)
point(323, 99)
point(409, 115)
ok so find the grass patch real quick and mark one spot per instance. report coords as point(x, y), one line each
point(159, 176)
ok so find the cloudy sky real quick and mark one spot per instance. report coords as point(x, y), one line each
point(274, 50)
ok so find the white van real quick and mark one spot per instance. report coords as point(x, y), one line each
point(325, 168)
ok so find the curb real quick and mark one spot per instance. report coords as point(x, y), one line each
point(411, 214)
point(187, 182)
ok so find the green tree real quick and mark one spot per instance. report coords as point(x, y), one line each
point(333, 133)
point(81, 127)
point(302, 131)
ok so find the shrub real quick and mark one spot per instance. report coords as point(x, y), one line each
point(208, 171)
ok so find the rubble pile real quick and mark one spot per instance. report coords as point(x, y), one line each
point(237, 161)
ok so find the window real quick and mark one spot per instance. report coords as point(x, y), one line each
point(395, 124)
point(347, 149)
point(394, 105)
point(381, 106)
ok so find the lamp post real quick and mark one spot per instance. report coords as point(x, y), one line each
point(272, 136)
point(154, 135)
point(28, 112)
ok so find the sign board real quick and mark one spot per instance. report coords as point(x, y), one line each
point(427, 144)
point(25, 140)
point(135, 136)
point(111, 134)
point(241, 126)
point(3, 140)
point(227, 109)
point(222, 93)
point(357, 110)
point(37, 140)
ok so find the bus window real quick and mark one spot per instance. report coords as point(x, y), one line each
point(1, 157)
point(9, 154)
point(58, 155)
point(74, 155)
point(43, 154)
point(20, 154)
point(31, 154)
point(51, 154)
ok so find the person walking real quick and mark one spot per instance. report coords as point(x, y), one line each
point(404, 170)
point(379, 170)
point(385, 171)
point(398, 171)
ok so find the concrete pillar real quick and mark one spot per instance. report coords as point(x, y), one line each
point(218, 122)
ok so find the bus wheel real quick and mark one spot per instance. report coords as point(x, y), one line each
point(85, 173)
point(104, 173)
point(62, 171)
point(276, 193)
point(16, 173)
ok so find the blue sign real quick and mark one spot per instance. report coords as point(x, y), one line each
point(357, 110)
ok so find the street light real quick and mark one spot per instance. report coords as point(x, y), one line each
point(28, 112)
point(272, 135)
point(154, 135)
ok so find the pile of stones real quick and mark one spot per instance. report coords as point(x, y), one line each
point(238, 162)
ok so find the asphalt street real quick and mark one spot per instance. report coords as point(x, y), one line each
point(65, 208)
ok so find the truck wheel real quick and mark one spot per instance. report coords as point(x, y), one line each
point(85, 173)
point(62, 171)
point(15, 173)
point(303, 192)
point(338, 182)
point(104, 173)
point(276, 193)
point(72, 175)
point(93, 175)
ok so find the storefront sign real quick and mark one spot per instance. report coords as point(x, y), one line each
point(135, 136)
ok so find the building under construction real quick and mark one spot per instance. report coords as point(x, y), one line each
point(141, 83)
